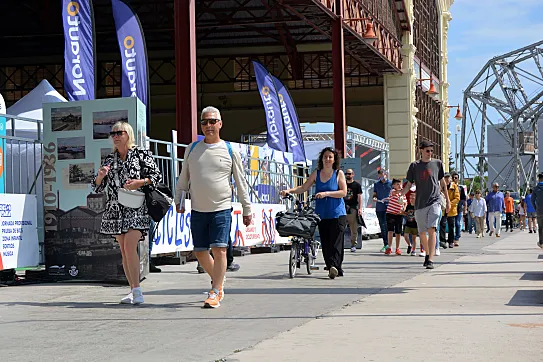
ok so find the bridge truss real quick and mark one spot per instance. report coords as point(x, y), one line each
point(501, 109)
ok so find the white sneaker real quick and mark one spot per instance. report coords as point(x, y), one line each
point(478, 236)
point(422, 254)
point(413, 253)
point(438, 253)
point(353, 249)
point(138, 296)
point(127, 299)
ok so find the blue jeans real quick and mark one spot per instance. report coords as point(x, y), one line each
point(458, 226)
point(471, 224)
point(382, 217)
point(210, 229)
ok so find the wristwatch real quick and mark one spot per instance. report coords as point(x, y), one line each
point(145, 181)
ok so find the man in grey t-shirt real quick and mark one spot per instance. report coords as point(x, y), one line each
point(427, 174)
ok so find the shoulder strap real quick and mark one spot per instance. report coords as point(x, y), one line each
point(229, 146)
point(192, 147)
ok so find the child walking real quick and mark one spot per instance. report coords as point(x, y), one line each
point(396, 206)
point(411, 226)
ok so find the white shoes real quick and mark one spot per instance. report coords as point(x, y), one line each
point(423, 254)
point(127, 299)
point(353, 249)
point(134, 297)
point(438, 253)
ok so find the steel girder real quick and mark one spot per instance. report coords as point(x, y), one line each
point(504, 101)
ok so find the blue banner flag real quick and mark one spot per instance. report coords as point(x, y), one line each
point(274, 121)
point(79, 51)
point(135, 79)
point(293, 133)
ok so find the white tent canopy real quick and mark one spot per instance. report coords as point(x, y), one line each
point(30, 106)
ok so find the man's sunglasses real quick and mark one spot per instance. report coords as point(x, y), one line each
point(429, 151)
point(348, 173)
point(211, 121)
point(116, 133)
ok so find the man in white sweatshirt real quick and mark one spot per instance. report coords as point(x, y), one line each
point(207, 168)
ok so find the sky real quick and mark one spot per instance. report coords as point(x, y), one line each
point(482, 29)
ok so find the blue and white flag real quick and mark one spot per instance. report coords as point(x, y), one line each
point(79, 51)
point(293, 133)
point(274, 121)
point(135, 78)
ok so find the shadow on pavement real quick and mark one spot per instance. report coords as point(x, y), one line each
point(534, 276)
point(286, 291)
point(527, 298)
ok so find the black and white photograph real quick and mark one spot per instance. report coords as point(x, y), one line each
point(66, 119)
point(81, 173)
point(104, 152)
point(103, 121)
point(72, 148)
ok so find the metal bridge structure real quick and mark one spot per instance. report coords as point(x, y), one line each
point(501, 109)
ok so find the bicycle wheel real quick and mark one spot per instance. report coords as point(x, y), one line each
point(293, 260)
point(309, 260)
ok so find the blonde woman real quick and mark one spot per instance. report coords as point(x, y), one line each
point(131, 168)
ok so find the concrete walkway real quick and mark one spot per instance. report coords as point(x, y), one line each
point(484, 302)
point(485, 307)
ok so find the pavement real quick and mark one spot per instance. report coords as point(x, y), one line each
point(483, 302)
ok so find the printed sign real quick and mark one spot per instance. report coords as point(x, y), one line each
point(372, 222)
point(173, 232)
point(18, 231)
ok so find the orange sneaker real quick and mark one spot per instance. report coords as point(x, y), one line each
point(398, 252)
point(388, 251)
point(212, 300)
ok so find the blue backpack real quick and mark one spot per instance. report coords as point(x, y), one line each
point(228, 145)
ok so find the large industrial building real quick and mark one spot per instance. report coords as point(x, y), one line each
point(377, 65)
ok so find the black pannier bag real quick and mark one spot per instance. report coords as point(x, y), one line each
point(298, 223)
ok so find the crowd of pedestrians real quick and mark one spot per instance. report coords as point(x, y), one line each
point(423, 206)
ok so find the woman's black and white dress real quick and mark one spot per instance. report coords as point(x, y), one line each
point(118, 219)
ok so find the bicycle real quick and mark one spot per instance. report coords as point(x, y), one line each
point(303, 248)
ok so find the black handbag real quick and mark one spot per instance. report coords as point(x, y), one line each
point(158, 200)
point(297, 223)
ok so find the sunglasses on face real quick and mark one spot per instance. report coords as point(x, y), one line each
point(211, 121)
point(116, 133)
point(429, 151)
point(348, 173)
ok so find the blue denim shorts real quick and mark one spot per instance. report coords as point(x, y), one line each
point(210, 229)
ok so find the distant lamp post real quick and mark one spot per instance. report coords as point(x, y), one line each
point(369, 35)
point(432, 91)
point(458, 115)
point(458, 129)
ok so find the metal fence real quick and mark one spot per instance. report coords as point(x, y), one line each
point(23, 155)
point(265, 178)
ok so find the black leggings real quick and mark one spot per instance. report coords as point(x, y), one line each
point(331, 233)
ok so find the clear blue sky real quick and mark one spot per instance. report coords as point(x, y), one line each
point(482, 29)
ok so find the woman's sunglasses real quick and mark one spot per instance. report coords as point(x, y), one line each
point(211, 121)
point(116, 133)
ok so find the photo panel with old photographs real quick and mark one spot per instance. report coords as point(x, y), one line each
point(72, 148)
point(81, 173)
point(66, 119)
point(103, 121)
point(104, 152)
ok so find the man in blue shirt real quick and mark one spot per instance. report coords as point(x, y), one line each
point(530, 212)
point(381, 192)
point(496, 207)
